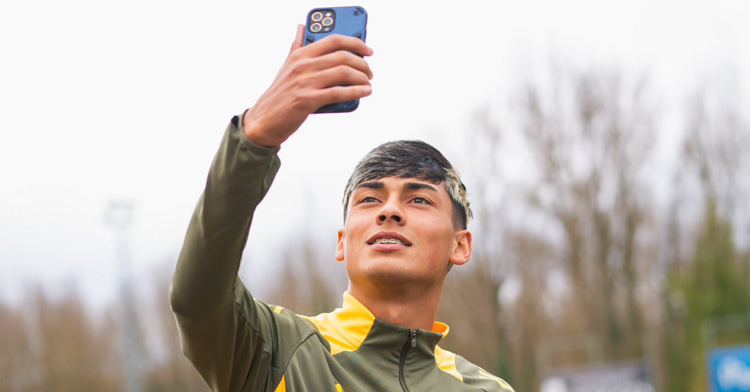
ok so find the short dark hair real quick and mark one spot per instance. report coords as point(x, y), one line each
point(412, 159)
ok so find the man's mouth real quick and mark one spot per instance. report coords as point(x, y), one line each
point(388, 238)
point(388, 241)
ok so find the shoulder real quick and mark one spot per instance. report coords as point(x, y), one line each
point(285, 324)
point(469, 373)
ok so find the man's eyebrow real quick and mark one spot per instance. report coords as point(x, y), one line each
point(412, 186)
point(416, 186)
point(371, 185)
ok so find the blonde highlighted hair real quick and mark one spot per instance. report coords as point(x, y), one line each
point(412, 159)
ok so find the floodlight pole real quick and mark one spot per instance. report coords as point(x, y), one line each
point(119, 217)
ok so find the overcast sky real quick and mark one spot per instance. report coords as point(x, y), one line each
point(103, 100)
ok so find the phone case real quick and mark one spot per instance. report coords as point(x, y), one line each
point(351, 21)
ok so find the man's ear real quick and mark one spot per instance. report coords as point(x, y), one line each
point(340, 247)
point(461, 248)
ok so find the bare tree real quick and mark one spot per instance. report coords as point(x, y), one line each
point(70, 350)
point(310, 281)
point(591, 134)
point(573, 230)
point(16, 359)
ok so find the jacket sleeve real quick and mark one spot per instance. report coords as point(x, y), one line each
point(223, 331)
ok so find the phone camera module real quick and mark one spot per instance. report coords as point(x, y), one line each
point(321, 21)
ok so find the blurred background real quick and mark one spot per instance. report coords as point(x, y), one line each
point(605, 147)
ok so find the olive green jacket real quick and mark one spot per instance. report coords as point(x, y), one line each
point(238, 343)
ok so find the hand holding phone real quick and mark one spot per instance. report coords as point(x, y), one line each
point(349, 21)
point(323, 72)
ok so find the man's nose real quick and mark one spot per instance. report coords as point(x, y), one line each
point(391, 211)
point(396, 218)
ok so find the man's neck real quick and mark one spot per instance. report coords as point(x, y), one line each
point(411, 308)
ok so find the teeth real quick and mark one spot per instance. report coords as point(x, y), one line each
point(388, 241)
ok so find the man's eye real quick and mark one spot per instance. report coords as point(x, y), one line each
point(368, 199)
point(421, 200)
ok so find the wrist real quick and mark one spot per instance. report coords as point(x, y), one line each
point(255, 132)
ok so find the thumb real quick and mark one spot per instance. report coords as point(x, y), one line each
point(298, 39)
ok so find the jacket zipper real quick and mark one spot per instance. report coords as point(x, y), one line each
point(410, 342)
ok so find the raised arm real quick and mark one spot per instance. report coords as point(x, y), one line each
point(224, 332)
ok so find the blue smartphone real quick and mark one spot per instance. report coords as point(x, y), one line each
point(322, 22)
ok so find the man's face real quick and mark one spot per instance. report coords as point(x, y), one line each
point(400, 230)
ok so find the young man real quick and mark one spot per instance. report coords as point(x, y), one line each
point(405, 213)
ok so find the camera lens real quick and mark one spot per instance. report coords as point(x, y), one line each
point(316, 16)
point(327, 21)
point(315, 27)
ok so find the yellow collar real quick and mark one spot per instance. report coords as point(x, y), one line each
point(347, 327)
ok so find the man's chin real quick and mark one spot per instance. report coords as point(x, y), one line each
point(390, 272)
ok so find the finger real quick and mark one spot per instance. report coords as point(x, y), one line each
point(340, 94)
point(298, 38)
point(335, 59)
point(336, 42)
point(338, 75)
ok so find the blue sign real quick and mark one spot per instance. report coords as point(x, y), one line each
point(729, 369)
